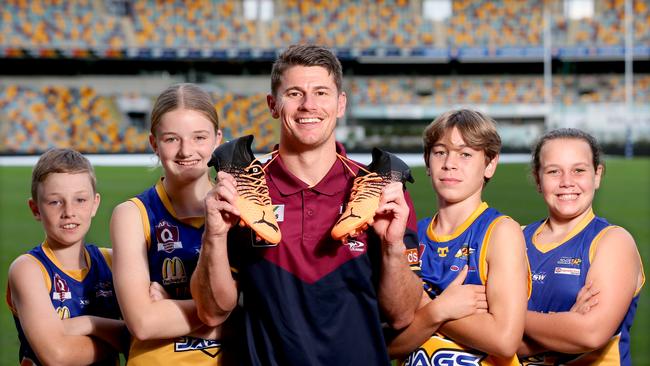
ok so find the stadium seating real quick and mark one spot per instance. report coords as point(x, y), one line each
point(345, 24)
point(441, 91)
point(34, 119)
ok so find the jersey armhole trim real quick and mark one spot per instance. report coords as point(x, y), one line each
point(144, 216)
point(482, 262)
point(108, 258)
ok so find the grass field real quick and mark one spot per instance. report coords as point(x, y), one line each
point(624, 198)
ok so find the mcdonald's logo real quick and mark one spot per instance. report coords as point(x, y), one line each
point(63, 312)
point(173, 271)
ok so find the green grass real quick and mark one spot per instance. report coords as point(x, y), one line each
point(624, 199)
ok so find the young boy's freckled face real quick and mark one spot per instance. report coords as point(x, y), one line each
point(65, 205)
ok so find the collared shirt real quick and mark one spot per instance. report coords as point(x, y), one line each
point(310, 300)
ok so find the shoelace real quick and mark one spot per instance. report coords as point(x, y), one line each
point(252, 186)
point(366, 186)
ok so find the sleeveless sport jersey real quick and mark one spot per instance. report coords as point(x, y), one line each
point(173, 248)
point(559, 272)
point(73, 292)
point(442, 258)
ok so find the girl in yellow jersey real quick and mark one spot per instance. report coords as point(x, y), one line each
point(157, 237)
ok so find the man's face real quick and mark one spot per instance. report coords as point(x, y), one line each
point(308, 103)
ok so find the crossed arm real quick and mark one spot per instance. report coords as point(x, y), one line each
point(490, 318)
point(614, 277)
point(77, 341)
point(146, 316)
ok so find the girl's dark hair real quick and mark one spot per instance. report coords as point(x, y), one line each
point(567, 133)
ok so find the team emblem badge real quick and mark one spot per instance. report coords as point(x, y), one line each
point(61, 290)
point(167, 237)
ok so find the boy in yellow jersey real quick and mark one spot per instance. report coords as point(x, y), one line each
point(473, 260)
point(61, 292)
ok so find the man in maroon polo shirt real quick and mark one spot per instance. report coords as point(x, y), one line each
point(310, 300)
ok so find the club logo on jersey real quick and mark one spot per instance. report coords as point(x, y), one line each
point(167, 237)
point(539, 277)
point(63, 312)
point(104, 289)
point(355, 245)
point(442, 251)
point(210, 347)
point(454, 268)
point(464, 251)
point(444, 357)
point(173, 271)
point(61, 290)
point(412, 256)
point(567, 271)
point(570, 261)
point(279, 212)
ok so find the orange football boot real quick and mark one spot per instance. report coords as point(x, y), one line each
point(236, 158)
point(366, 191)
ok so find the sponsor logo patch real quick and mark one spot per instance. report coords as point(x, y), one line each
point(569, 260)
point(167, 237)
point(567, 271)
point(104, 289)
point(173, 271)
point(464, 251)
point(442, 251)
point(278, 210)
point(61, 290)
point(63, 312)
point(412, 256)
point(539, 277)
point(355, 245)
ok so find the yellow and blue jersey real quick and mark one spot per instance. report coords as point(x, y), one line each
point(173, 248)
point(442, 258)
point(559, 271)
point(73, 293)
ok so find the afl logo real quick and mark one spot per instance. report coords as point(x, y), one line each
point(167, 237)
point(61, 290)
point(173, 271)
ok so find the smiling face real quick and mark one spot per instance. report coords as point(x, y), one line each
point(184, 141)
point(65, 203)
point(457, 171)
point(567, 178)
point(308, 104)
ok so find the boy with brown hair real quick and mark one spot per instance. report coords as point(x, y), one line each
point(61, 292)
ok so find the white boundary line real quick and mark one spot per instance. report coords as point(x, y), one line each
point(148, 160)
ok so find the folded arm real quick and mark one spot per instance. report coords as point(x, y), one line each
point(145, 318)
point(499, 331)
point(616, 274)
point(43, 328)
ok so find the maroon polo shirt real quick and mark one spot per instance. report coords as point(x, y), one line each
point(311, 300)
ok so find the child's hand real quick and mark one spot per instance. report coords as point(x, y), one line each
point(586, 299)
point(157, 292)
point(458, 300)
